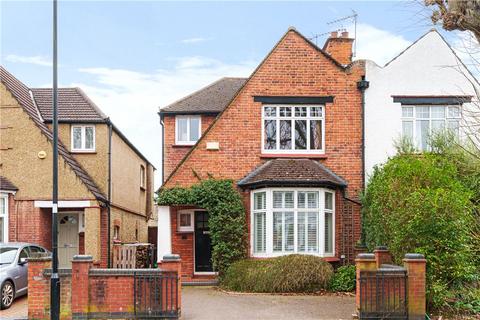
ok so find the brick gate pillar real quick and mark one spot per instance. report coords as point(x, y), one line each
point(172, 262)
point(415, 264)
point(81, 266)
point(38, 286)
point(364, 262)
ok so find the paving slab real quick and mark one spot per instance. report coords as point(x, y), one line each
point(18, 310)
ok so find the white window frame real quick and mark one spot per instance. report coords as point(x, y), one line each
point(269, 222)
point(190, 228)
point(430, 119)
point(4, 215)
point(189, 117)
point(277, 118)
point(83, 140)
point(142, 176)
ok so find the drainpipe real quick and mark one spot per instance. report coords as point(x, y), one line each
point(163, 146)
point(363, 85)
point(110, 129)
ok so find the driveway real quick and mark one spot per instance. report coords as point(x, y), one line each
point(18, 310)
point(200, 303)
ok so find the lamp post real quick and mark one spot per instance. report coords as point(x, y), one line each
point(54, 280)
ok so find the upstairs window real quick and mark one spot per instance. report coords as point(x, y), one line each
point(83, 138)
point(142, 177)
point(420, 122)
point(187, 130)
point(293, 129)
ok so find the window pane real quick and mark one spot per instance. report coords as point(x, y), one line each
point(300, 134)
point(2, 236)
point(89, 138)
point(301, 234)
point(260, 232)
point(454, 126)
point(285, 134)
point(277, 231)
point(182, 129)
point(3, 209)
point(316, 112)
point(301, 200)
point(312, 200)
point(423, 112)
point(407, 112)
point(438, 126)
point(285, 111)
point(270, 111)
point(194, 129)
point(315, 134)
point(259, 201)
point(185, 220)
point(289, 231)
point(422, 134)
point(312, 232)
point(453, 112)
point(328, 201)
point(277, 199)
point(328, 232)
point(407, 129)
point(438, 112)
point(270, 134)
point(300, 111)
point(283, 199)
point(77, 138)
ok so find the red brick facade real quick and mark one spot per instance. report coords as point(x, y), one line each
point(295, 67)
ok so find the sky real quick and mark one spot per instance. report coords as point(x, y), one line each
point(132, 57)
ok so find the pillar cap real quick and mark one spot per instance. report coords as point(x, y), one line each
point(171, 257)
point(414, 256)
point(366, 256)
point(381, 248)
point(82, 258)
point(40, 256)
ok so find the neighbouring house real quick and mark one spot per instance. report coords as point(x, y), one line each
point(105, 183)
point(290, 137)
point(423, 89)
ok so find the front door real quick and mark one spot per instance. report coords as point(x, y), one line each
point(67, 238)
point(203, 243)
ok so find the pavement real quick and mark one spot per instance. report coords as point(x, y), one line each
point(210, 303)
point(18, 310)
point(199, 303)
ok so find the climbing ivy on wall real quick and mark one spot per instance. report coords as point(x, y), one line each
point(227, 222)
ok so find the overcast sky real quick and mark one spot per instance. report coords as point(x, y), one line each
point(133, 57)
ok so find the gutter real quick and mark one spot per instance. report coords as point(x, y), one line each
point(163, 145)
point(110, 129)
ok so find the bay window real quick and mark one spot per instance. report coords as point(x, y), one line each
point(293, 129)
point(420, 122)
point(293, 220)
point(3, 217)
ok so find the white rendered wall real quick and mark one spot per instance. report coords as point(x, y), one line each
point(164, 243)
point(427, 68)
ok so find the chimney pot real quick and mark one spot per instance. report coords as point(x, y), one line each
point(345, 34)
point(333, 34)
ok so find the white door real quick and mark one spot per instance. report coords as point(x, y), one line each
point(67, 238)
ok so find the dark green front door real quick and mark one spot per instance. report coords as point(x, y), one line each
point(203, 243)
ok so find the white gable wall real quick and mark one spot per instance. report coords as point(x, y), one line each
point(427, 68)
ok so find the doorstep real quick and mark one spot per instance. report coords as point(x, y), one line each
point(200, 281)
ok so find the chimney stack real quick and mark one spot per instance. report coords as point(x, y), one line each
point(340, 48)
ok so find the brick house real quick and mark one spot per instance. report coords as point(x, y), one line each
point(105, 183)
point(290, 136)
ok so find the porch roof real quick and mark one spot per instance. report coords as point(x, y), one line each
point(5, 184)
point(292, 173)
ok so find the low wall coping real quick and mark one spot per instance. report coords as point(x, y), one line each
point(366, 256)
point(381, 248)
point(40, 256)
point(82, 257)
point(171, 257)
point(61, 272)
point(414, 256)
point(126, 272)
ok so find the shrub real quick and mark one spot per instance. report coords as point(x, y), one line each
point(227, 223)
point(418, 203)
point(344, 279)
point(291, 273)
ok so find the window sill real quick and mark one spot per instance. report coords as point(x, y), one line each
point(83, 151)
point(293, 155)
point(182, 145)
point(184, 231)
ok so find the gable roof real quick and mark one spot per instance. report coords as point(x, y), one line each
point(291, 29)
point(5, 184)
point(23, 95)
point(210, 99)
point(292, 172)
point(73, 105)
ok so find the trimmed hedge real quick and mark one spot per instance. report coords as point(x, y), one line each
point(291, 273)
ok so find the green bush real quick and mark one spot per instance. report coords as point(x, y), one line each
point(227, 223)
point(420, 203)
point(291, 273)
point(343, 280)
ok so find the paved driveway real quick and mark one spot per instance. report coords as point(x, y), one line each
point(200, 303)
point(18, 310)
